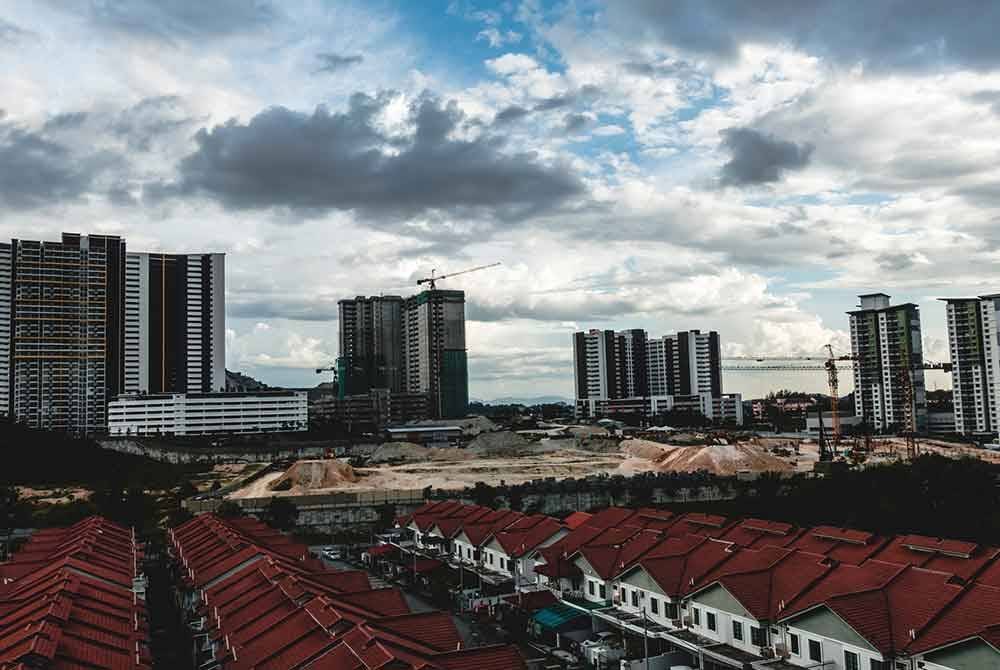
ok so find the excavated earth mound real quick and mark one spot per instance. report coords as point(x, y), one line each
point(503, 443)
point(310, 475)
point(720, 459)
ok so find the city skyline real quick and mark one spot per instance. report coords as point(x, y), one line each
point(624, 171)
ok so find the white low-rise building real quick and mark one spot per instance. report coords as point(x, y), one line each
point(208, 413)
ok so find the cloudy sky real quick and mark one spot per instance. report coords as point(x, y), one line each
point(745, 167)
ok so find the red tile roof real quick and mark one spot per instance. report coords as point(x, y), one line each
point(71, 603)
point(577, 519)
point(267, 611)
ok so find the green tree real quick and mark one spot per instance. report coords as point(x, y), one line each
point(229, 510)
point(281, 513)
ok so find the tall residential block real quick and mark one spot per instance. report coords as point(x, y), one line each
point(974, 343)
point(686, 363)
point(595, 365)
point(6, 299)
point(436, 360)
point(175, 323)
point(371, 345)
point(888, 364)
point(67, 331)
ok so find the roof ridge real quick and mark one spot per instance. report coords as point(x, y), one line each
point(948, 606)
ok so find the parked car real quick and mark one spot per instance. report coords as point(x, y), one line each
point(332, 554)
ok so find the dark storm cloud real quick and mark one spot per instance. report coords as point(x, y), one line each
point(284, 308)
point(574, 123)
point(39, 171)
point(511, 114)
point(887, 34)
point(332, 62)
point(65, 121)
point(895, 262)
point(150, 120)
point(345, 161)
point(177, 19)
point(12, 34)
point(991, 98)
point(758, 158)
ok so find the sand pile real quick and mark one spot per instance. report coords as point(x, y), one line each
point(499, 444)
point(587, 431)
point(720, 459)
point(306, 476)
point(597, 444)
point(408, 452)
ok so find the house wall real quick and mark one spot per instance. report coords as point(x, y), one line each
point(835, 637)
point(718, 602)
point(595, 589)
point(646, 591)
point(971, 655)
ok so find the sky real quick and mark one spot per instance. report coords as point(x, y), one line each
point(744, 167)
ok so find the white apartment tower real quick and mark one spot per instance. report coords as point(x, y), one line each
point(685, 363)
point(974, 343)
point(888, 370)
point(175, 327)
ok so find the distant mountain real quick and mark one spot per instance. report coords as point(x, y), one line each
point(537, 400)
point(237, 382)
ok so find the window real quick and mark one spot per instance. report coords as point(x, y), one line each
point(815, 651)
point(654, 605)
point(737, 631)
point(793, 643)
point(590, 588)
point(851, 661)
point(878, 665)
point(635, 598)
point(604, 592)
point(624, 595)
point(696, 613)
point(710, 620)
point(757, 637)
point(670, 609)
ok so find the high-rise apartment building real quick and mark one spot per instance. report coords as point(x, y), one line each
point(685, 363)
point(887, 347)
point(595, 364)
point(414, 345)
point(175, 327)
point(371, 345)
point(974, 343)
point(436, 360)
point(609, 364)
point(6, 299)
point(627, 372)
point(67, 331)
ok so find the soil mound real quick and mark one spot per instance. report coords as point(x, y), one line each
point(502, 444)
point(306, 476)
point(720, 459)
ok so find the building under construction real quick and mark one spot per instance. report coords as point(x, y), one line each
point(887, 349)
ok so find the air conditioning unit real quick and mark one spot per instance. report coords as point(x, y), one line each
point(781, 650)
point(687, 622)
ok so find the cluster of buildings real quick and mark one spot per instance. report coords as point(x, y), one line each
point(887, 348)
point(627, 372)
point(700, 590)
point(96, 339)
point(401, 359)
point(75, 598)
point(257, 599)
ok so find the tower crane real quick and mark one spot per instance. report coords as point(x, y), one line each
point(831, 376)
point(433, 279)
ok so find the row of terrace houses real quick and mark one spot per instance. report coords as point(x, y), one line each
point(739, 593)
point(75, 598)
point(256, 599)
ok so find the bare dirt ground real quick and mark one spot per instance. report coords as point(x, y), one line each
point(506, 457)
point(56, 496)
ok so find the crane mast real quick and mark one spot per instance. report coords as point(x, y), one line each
point(831, 377)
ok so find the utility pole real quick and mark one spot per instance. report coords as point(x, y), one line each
point(645, 642)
